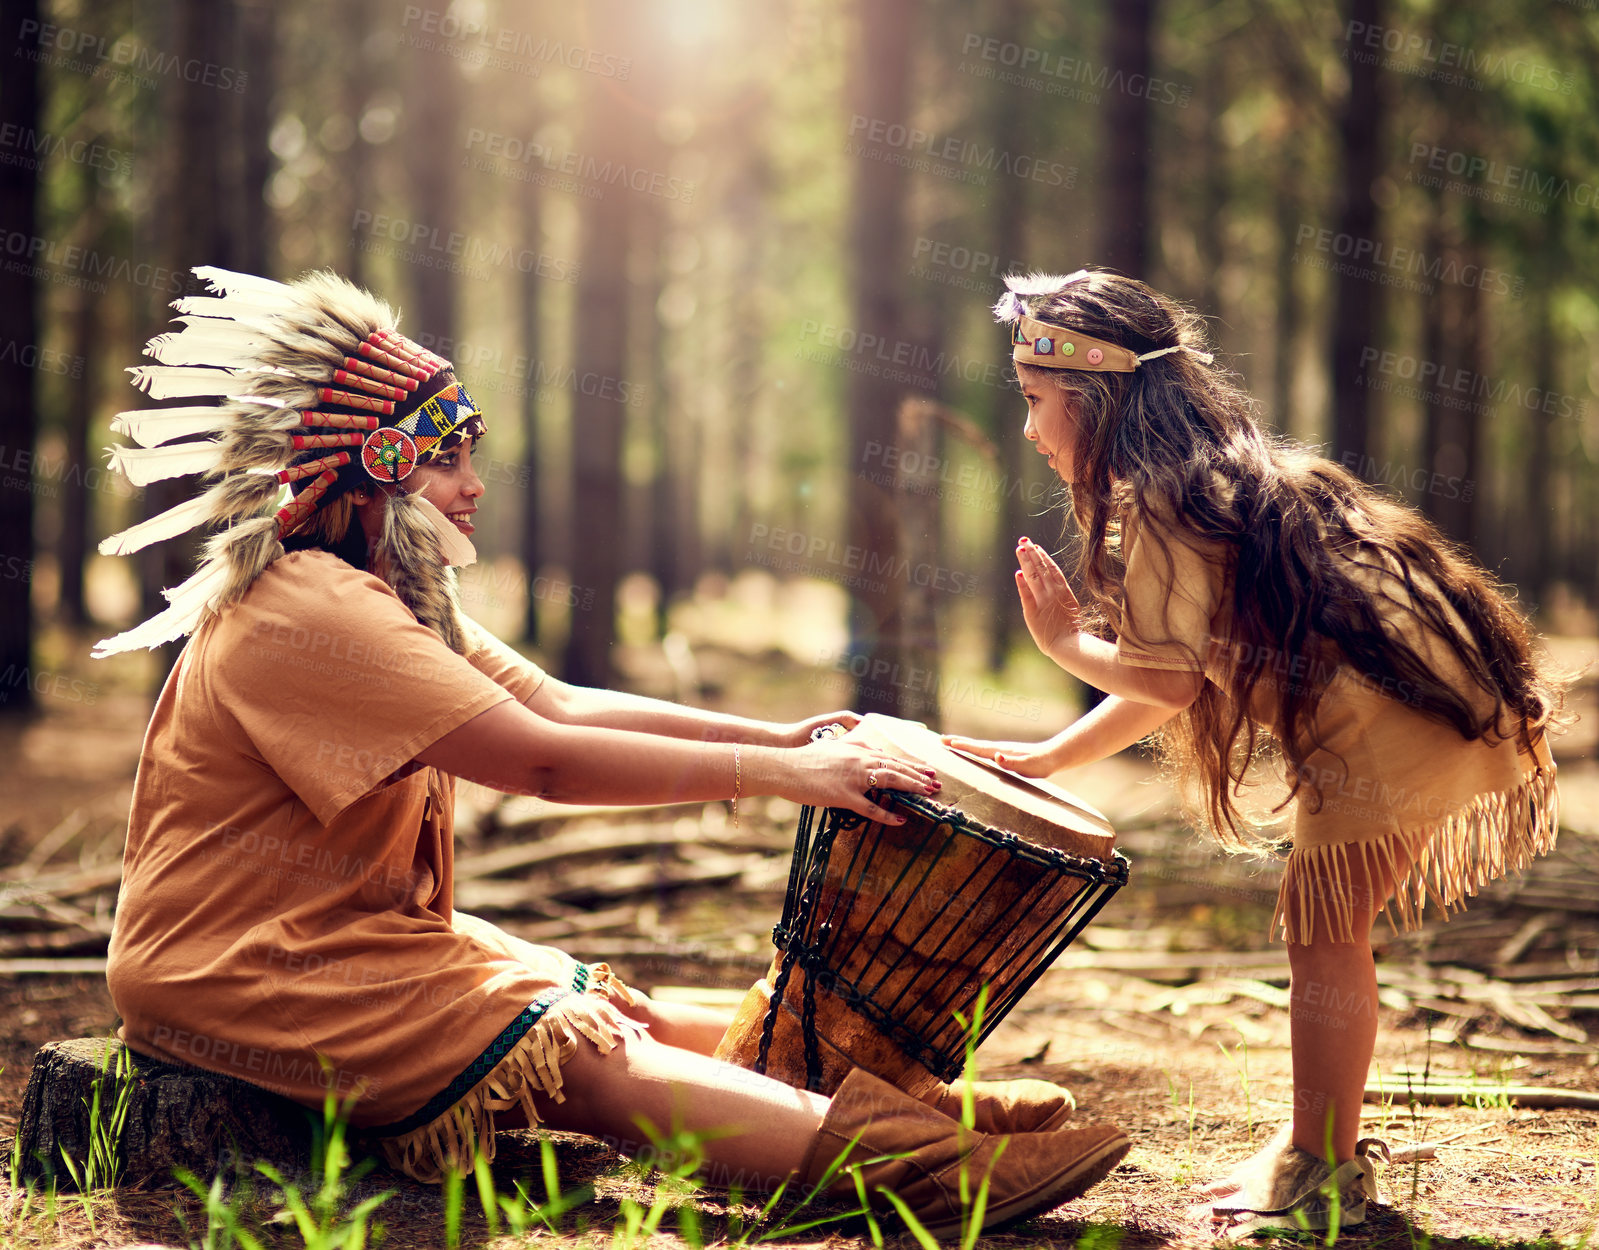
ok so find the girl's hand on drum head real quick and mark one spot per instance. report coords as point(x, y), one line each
point(839, 774)
point(1030, 759)
point(1049, 607)
point(799, 733)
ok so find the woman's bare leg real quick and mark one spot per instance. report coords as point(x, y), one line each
point(683, 1025)
point(757, 1130)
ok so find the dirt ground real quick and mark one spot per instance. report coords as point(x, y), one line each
point(1192, 1078)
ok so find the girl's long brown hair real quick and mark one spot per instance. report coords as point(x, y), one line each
point(1319, 557)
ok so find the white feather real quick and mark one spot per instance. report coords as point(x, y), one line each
point(176, 382)
point(189, 603)
point(261, 290)
point(150, 427)
point(221, 311)
point(169, 524)
point(143, 466)
point(232, 349)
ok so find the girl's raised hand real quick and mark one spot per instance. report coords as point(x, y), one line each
point(799, 732)
point(1050, 609)
point(1030, 759)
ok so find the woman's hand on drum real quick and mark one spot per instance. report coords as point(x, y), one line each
point(838, 774)
point(1049, 607)
point(1030, 759)
point(799, 733)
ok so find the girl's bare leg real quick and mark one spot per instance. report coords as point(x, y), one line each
point(1333, 1024)
point(1332, 997)
point(756, 1130)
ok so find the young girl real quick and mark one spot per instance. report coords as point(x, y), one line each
point(1262, 597)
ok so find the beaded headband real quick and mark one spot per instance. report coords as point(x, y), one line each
point(1054, 347)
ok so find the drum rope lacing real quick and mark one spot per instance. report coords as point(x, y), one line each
point(938, 1042)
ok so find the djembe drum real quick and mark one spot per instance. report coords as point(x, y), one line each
point(890, 933)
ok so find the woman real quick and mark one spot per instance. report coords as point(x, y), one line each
point(286, 913)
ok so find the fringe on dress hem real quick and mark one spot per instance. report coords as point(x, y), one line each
point(1496, 833)
point(531, 1068)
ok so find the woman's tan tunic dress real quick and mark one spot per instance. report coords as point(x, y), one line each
point(1404, 798)
point(286, 907)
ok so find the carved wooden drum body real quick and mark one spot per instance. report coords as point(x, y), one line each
point(891, 932)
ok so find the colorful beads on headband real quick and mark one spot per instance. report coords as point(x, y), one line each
point(389, 454)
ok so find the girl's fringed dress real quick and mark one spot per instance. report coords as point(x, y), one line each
point(1404, 797)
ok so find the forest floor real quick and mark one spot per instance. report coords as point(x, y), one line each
point(1167, 1018)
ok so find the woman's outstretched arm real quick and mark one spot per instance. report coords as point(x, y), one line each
point(611, 709)
point(511, 748)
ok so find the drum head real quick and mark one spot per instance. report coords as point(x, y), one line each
point(1037, 811)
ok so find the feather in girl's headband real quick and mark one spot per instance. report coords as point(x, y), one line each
point(1037, 342)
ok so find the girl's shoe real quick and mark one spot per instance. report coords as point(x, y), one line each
point(1307, 1194)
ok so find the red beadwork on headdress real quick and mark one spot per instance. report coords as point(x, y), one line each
point(370, 385)
point(302, 441)
point(366, 369)
point(348, 400)
point(316, 419)
point(292, 516)
point(295, 472)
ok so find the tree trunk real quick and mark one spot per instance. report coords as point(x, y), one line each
point(920, 545)
point(1007, 126)
point(72, 543)
point(1536, 571)
point(1447, 486)
point(600, 350)
point(431, 136)
point(879, 91)
point(532, 547)
point(257, 44)
point(201, 172)
point(1358, 303)
point(19, 104)
point(353, 189)
point(176, 1116)
point(1125, 140)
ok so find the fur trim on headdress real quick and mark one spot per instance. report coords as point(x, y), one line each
point(411, 562)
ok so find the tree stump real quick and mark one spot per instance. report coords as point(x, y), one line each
point(177, 1116)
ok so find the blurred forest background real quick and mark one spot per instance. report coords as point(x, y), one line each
point(720, 271)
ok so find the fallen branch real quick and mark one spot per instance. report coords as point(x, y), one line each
point(1452, 1095)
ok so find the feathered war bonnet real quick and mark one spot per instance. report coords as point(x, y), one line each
point(311, 388)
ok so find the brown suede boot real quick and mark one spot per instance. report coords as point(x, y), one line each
point(1020, 1106)
point(898, 1144)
